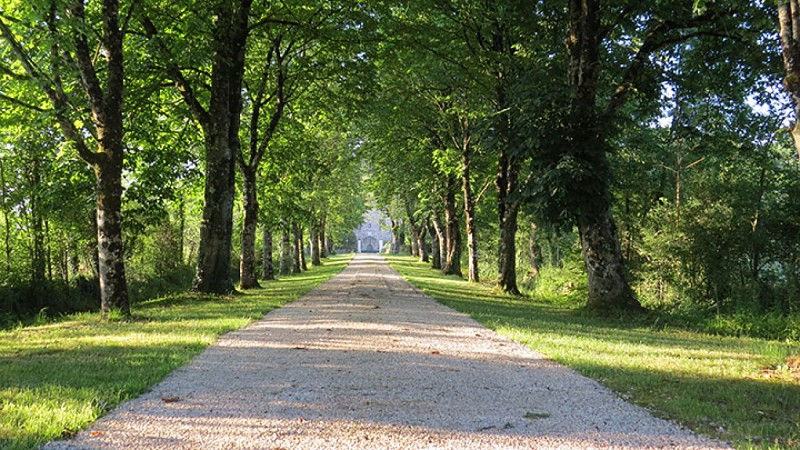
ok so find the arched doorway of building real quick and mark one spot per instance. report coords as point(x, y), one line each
point(369, 245)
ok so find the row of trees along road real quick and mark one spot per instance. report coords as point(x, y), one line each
point(641, 146)
point(152, 96)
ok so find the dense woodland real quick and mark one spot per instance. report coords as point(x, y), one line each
point(623, 155)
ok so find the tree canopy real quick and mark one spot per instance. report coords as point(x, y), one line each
point(625, 155)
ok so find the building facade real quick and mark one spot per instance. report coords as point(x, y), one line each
point(374, 233)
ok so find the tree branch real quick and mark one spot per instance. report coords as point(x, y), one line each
point(88, 75)
point(174, 72)
point(22, 103)
point(657, 38)
point(56, 96)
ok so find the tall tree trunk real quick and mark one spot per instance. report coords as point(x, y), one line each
point(267, 264)
point(413, 227)
point(216, 229)
point(286, 251)
point(248, 166)
point(111, 262)
point(247, 257)
point(414, 247)
point(502, 44)
point(297, 248)
point(302, 246)
point(469, 211)
point(37, 260)
point(396, 241)
point(423, 247)
point(220, 124)
point(323, 232)
point(313, 232)
point(508, 210)
point(441, 242)
point(452, 265)
point(221, 147)
point(789, 20)
point(608, 288)
point(435, 256)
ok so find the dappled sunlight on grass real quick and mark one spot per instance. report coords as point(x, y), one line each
point(713, 384)
point(58, 377)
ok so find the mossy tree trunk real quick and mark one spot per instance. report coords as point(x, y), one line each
point(608, 288)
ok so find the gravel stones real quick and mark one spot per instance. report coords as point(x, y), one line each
point(366, 361)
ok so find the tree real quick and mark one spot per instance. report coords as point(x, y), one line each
point(102, 81)
point(220, 121)
point(608, 286)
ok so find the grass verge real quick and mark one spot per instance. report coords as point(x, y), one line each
point(57, 378)
point(736, 389)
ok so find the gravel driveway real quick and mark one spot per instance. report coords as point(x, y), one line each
point(368, 362)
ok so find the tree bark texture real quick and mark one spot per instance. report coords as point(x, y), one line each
point(435, 256)
point(323, 232)
point(286, 252)
point(297, 248)
point(107, 114)
point(302, 247)
point(508, 210)
point(506, 179)
point(789, 20)
point(608, 288)
point(413, 228)
point(313, 232)
point(111, 261)
point(247, 257)
point(469, 211)
point(267, 263)
point(38, 257)
point(396, 241)
point(221, 129)
point(423, 246)
point(452, 265)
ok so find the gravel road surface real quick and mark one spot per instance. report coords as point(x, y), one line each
point(366, 361)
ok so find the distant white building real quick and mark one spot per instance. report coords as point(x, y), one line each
point(374, 232)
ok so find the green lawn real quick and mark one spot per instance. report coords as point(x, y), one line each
point(736, 389)
point(57, 378)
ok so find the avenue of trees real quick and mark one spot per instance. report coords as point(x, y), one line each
point(130, 130)
point(627, 155)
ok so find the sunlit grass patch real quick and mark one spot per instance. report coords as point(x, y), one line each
point(738, 389)
point(56, 378)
